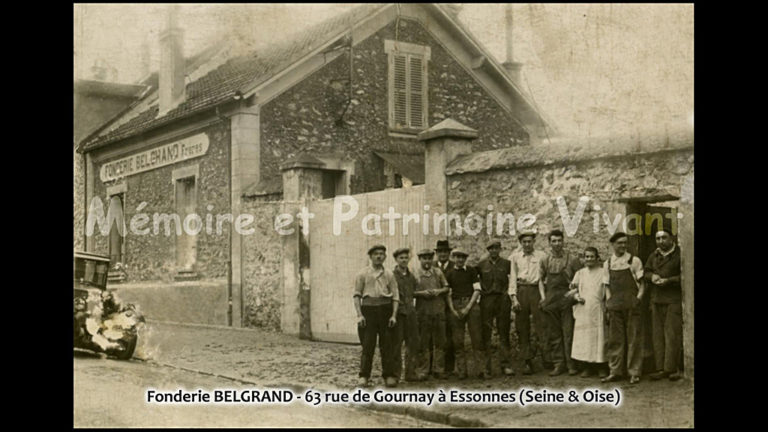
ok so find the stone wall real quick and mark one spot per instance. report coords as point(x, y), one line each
point(78, 200)
point(262, 258)
point(534, 188)
point(308, 117)
point(152, 257)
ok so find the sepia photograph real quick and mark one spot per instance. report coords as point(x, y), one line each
point(383, 215)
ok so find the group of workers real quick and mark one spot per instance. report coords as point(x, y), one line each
point(586, 313)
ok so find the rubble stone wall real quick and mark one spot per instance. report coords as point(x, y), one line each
point(535, 189)
point(262, 258)
point(152, 257)
point(308, 117)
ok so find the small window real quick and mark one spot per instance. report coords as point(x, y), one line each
point(407, 86)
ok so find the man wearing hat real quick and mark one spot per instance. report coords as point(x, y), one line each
point(495, 306)
point(430, 294)
point(444, 263)
point(464, 312)
point(407, 329)
point(662, 271)
point(624, 292)
point(525, 297)
point(376, 297)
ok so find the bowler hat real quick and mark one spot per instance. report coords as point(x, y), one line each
point(443, 245)
point(377, 247)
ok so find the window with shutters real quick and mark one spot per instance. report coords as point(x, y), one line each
point(407, 86)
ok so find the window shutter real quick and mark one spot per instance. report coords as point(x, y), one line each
point(400, 84)
point(416, 104)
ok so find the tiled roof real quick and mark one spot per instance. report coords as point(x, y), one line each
point(569, 151)
point(222, 83)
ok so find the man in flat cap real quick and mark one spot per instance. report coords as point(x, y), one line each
point(662, 271)
point(407, 329)
point(376, 297)
point(495, 306)
point(430, 294)
point(465, 312)
point(624, 292)
point(444, 263)
point(524, 292)
point(556, 273)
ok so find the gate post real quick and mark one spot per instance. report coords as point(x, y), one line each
point(302, 182)
point(443, 142)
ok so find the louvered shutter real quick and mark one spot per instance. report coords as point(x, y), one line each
point(400, 96)
point(416, 103)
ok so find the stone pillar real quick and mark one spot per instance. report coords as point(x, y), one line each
point(443, 142)
point(244, 170)
point(302, 182)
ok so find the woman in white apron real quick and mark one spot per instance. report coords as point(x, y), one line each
point(589, 314)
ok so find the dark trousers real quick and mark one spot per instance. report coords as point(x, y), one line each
point(528, 296)
point(473, 322)
point(376, 327)
point(560, 336)
point(625, 342)
point(431, 335)
point(450, 350)
point(407, 331)
point(496, 307)
point(667, 335)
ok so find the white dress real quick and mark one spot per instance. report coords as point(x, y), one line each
point(589, 326)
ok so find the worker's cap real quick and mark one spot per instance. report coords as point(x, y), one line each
point(426, 252)
point(377, 247)
point(617, 236)
point(459, 252)
point(493, 244)
point(401, 251)
point(526, 233)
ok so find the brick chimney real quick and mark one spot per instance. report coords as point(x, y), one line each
point(171, 80)
point(513, 68)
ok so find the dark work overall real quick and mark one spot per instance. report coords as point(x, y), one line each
point(558, 314)
point(377, 312)
point(625, 330)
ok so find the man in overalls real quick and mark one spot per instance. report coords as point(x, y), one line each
point(407, 329)
point(431, 290)
point(624, 291)
point(443, 262)
point(465, 313)
point(526, 297)
point(495, 305)
point(557, 270)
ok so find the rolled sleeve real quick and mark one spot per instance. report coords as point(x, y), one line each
point(359, 284)
point(393, 288)
point(637, 268)
point(512, 290)
point(606, 273)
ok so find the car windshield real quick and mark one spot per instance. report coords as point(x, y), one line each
point(89, 272)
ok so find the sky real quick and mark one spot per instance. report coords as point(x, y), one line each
point(594, 69)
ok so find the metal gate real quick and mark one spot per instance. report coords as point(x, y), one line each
point(335, 260)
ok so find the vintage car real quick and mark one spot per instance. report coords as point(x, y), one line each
point(101, 322)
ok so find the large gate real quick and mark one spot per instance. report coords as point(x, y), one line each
point(335, 260)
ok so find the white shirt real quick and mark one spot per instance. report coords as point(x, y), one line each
point(524, 267)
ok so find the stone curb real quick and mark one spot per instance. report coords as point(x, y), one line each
point(420, 413)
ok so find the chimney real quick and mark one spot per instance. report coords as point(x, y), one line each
point(513, 68)
point(144, 59)
point(171, 82)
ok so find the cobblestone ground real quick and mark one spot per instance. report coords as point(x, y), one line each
point(275, 359)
